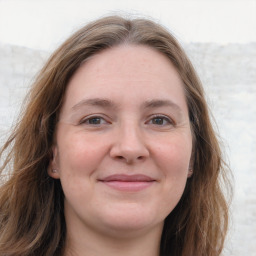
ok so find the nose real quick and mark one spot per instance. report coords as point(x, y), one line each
point(129, 145)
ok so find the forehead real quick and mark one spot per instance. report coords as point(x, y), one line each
point(129, 60)
point(126, 72)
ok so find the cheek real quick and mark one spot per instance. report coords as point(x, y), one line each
point(174, 156)
point(173, 161)
point(79, 157)
point(80, 154)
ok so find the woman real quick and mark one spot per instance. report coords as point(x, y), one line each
point(115, 153)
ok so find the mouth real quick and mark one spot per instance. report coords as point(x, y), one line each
point(128, 183)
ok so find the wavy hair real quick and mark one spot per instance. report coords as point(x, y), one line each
point(32, 221)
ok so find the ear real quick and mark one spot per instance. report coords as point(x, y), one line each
point(190, 172)
point(191, 167)
point(53, 168)
point(191, 163)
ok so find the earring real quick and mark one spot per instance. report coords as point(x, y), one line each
point(54, 171)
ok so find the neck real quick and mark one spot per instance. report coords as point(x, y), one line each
point(87, 242)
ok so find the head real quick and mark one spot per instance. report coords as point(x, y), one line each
point(192, 224)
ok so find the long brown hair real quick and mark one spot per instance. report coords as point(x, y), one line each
point(31, 203)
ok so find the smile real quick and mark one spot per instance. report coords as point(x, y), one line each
point(128, 183)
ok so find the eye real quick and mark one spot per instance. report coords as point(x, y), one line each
point(94, 121)
point(160, 120)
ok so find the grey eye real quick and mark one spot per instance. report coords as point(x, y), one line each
point(94, 120)
point(160, 120)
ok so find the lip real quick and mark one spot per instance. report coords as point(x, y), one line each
point(128, 183)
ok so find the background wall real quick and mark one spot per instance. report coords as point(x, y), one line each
point(220, 38)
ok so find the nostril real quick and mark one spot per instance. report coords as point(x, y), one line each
point(129, 160)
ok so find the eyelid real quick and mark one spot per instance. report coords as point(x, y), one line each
point(107, 121)
point(87, 118)
point(167, 118)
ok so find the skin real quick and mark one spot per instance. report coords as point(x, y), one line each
point(124, 112)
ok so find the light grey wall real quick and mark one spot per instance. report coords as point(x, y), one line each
point(229, 76)
point(228, 73)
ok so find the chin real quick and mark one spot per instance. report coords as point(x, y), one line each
point(131, 220)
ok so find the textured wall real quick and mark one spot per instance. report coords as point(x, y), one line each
point(228, 73)
point(229, 76)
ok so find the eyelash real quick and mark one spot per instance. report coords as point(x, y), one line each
point(88, 119)
point(164, 118)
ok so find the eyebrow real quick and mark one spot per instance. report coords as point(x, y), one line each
point(156, 103)
point(106, 103)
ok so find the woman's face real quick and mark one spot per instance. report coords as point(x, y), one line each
point(123, 142)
